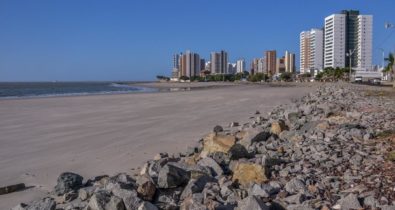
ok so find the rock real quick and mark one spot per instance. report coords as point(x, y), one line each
point(350, 202)
point(252, 135)
point(43, 204)
point(293, 117)
point(216, 170)
point(193, 202)
point(12, 188)
point(295, 199)
point(252, 202)
point(218, 129)
point(171, 176)
point(102, 200)
point(128, 196)
point(257, 190)
point(277, 127)
point(217, 143)
point(146, 190)
point(247, 173)
point(168, 198)
point(147, 206)
point(196, 186)
point(238, 151)
point(85, 193)
point(67, 182)
point(20, 206)
point(294, 186)
point(67, 197)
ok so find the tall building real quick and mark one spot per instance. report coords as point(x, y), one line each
point(345, 32)
point(280, 65)
point(270, 57)
point(219, 62)
point(189, 64)
point(240, 66)
point(176, 65)
point(231, 68)
point(311, 50)
point(254, 66)
point(262, 66)
point(289, 62)
point(365, 36)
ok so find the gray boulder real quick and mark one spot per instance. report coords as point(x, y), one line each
point(252, 202)
point(216, 169)
point(171, 175)
point(350, 202)
point(294, 186)
point(67, 182)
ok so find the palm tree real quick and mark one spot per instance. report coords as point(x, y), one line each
point(390, 64)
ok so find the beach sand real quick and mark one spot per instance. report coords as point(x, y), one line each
point(106, 134)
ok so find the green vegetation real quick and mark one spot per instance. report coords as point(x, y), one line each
point(286, 76)
point(258, 77)
point(333, 74)
point(160, 77)
point(184, 78)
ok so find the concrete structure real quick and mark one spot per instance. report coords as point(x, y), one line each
point(289, 62)
point(254, 66)
point(189, 64)
point(270, 59)
point(348, 32)
point(304, 51)
point(280, 65)
point(240, 66)
point(176, 65)
point(219, 62)
point(261, 67)
point(365, 36)
point(335, 41)
point(231, 68)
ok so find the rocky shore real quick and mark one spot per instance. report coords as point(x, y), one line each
point(332, 149)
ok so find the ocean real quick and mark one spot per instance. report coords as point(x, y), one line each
point(48, 89)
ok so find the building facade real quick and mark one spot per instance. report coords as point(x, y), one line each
point(311, 51)
point(219, 62)
point(240, 66)
point(271, 59)
point(280, 65)
point(348, 32)
point(289, 62)
point(189, 64)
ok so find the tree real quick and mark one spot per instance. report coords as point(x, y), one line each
point(389, 69)
point(258, 77)
point(286, 76)
point(184, 78)
point(160, 77)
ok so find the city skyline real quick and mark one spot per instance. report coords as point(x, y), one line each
point(45, 41)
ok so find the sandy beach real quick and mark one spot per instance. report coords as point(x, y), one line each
point(106, 134)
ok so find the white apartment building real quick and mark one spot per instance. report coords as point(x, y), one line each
point(345, 32)
point(240, 66)
point(335, 41)
point(311, 50)
point(364, 50)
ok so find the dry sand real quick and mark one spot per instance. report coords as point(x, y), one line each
point(106, 134)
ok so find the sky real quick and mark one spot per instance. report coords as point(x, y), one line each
point(95, 40)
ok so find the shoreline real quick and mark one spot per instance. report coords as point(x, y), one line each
point(104, 134)
point(349, 123)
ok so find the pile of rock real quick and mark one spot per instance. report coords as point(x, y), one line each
point(325, 151)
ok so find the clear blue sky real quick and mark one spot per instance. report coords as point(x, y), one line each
point(134, 40)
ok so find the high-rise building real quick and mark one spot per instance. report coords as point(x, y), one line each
point(311, 50)
point(240, 66)
point(289, 62)
point(364, 50)
point(202, 64)
point(189, 64)
point(348, 32)
point(335, 41)
point(231, 68)
point(254, 66)
point(280, 65)
point(270, 59)
point(262, 66)
point(219, 62)
point(176, 65)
